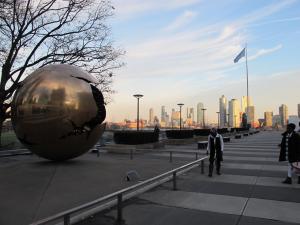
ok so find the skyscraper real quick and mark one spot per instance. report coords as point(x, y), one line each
point(223, 111)
point(283, 112)
point(234, 113)
point(163, 114)
point(244, 103)
point(200, 106)
point(251, 115)
point(151, 116)
point(299, 110)
point(268, 119)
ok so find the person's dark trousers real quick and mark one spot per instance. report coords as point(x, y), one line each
point(218, 166)
point(211, 168)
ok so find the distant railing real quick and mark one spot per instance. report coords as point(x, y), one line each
point(119, 195)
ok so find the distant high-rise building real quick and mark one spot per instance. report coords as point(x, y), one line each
point(234, 113)
point(244, 103)
point(276, 121)
point(283, 112)
point(299, 110)
point(251, 115)
point(223, 111)
point(268, 119)
point(163, 114)
point(151, 116)
point(200, 106)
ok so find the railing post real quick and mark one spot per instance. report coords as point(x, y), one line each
point(119, 206)
point(202, 167)
point(174, 181)
point(131, 155)
point(67, 220)
point(171, 159)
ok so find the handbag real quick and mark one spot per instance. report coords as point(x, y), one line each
point(296, 167)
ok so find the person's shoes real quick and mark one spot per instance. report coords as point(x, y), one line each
point(288, 180)
point(299, 180)
point(210, 174)
point(218, 172)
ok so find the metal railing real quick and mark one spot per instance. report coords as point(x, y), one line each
point(119, 195)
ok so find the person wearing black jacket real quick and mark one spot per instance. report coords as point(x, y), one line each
point(215, 147)
point(290, 150)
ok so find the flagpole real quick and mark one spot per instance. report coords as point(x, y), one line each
point(247, 110)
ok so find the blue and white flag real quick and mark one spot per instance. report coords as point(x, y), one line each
point(239, 56)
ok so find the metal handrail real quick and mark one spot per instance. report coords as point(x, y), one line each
point(66, 215)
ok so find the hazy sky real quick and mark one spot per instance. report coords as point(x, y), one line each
point(182, 51)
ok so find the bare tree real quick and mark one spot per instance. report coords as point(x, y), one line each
point(34, 33)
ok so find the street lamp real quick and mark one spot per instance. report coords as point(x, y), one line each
point(227, 119)
point(180, 105)
point(203, 109)
point(138, 96)
point(218, 113)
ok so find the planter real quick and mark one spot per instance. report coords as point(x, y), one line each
point(135, 137)
point(179, 134)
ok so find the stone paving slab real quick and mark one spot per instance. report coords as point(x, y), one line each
point(276, 210)
point(199, 201)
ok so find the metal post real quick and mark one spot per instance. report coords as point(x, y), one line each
point(67, 220)
point(180, 105)
point(119, 208)
point(174, 181)
point(138, 96)
point(171, 159)
point(196, 155)
point(203, 117)
point(202, 167)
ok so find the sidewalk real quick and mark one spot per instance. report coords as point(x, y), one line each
point(248, 192)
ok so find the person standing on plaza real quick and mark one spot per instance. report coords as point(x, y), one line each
point(215, 147)
point(290, 150)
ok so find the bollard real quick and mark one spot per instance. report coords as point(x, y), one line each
point(67, 220)
point(202, 167)
point(131, 155)
point(119, 208)
point(174, 181)
point(171, 158)
point(98, 152)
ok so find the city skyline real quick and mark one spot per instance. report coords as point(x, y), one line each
point(184, 51)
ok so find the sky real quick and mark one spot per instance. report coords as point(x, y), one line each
point(182, 51)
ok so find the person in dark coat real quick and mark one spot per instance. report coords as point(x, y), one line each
point(215, 147)
point(290, 150)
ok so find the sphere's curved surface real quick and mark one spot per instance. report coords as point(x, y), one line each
point(58, 112)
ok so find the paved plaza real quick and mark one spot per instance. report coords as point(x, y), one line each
point(249, 191)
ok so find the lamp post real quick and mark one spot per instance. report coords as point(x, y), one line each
point(203, 109)
point(138, 96)
point(227, 119)
point(218, 113)
point(180, 105)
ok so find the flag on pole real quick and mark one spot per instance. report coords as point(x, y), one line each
point(239, 56)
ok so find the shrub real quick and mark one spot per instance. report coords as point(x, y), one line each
point(179, 134)
point(201, 132)
point(135, 137)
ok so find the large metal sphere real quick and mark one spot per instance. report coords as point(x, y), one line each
point(57, 112)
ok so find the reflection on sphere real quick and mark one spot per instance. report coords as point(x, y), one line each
point(58, 112)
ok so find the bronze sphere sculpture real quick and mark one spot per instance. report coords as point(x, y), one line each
point(57, 112)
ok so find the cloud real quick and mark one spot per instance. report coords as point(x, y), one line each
point(262, 52)
point(133, 8)
point(181, 20)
